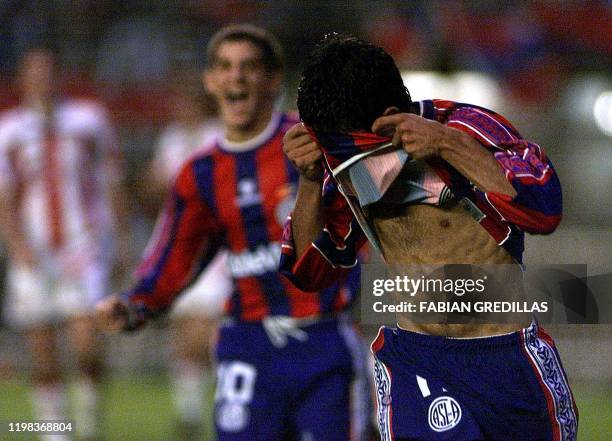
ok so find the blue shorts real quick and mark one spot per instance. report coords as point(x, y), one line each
point(508, 387)
point(314, 388)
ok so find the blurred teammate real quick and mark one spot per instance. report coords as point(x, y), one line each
point(193, 316)
point(461, 186)
point(59, 177)
point(289, 364)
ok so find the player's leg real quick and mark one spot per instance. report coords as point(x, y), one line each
point(495, 388)
point(190, 373)
point(193, 322)
point(324, 414)
point(250, 396)
point(413, 403)
point(336, 403)
point(549, 382)
point(79, 294)
point(48, 389)
point(85, 344)
point(31, 309)
point(361, 398)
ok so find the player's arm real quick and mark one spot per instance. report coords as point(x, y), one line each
point(321, 237)
point(423, 139)
point(185, 239)
point(306, 157)
point(11, 232)
point(510, 173)
point(11, 229)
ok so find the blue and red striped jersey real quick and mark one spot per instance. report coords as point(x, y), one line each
point(237, 200)
point(536, 208)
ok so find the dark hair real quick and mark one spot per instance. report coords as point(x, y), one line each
point(348, 83)
point(271, 50)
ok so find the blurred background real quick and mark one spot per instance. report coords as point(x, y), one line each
point(545, 64)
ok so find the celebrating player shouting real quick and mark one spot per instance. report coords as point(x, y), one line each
point(287, 359)
point(460, 186)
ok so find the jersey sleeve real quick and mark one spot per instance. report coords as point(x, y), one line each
point(185, 240)
point(331, 256)
point(537, 206)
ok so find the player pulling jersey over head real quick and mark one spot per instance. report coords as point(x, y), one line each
point(288, 360)
point(431, 383)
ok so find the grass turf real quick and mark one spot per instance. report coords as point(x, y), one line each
point(139, 408)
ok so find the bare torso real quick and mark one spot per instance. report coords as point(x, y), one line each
point(426, 234)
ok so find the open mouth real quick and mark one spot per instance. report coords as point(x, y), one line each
point(234, 97)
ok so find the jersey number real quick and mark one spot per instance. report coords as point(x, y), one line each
point(235, 382)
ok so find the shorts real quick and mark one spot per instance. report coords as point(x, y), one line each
point(315, 388)
point(44, 295)
point(508, 387)
point(207, 296)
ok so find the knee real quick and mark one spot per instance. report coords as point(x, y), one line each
point(45, 374)
point(90, 366)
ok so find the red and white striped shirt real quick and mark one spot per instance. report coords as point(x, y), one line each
point(58, 169)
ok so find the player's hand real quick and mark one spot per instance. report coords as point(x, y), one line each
point(112, 314)
point(303, 152)
point(420, 137)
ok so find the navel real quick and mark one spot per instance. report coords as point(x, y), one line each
point(445, 223)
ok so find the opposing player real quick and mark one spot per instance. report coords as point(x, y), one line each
point(289, 365)
point(456, 184)
point(60, 176)
point(193, 318)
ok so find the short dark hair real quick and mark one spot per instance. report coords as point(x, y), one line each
point(347, 83)
point(271, 50)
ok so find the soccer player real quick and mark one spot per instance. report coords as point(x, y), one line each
point(289, 363)
point(60, 181)
point(465, 186)
point(193, 318)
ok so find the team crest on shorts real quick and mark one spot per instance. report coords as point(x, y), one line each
point(444, 414)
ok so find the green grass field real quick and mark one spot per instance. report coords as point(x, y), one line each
point(139, 408)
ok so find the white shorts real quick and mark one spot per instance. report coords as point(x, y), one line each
point(42, 296)
point(207, 295)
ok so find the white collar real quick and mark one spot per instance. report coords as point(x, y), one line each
point(256, 141)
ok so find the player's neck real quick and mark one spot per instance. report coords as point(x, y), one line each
point(256, 137)
point(251, 129)
point(42, 105)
